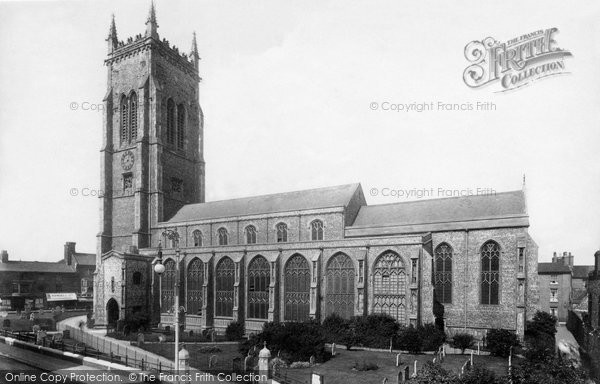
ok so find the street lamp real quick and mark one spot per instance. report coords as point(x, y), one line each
point(159, 268)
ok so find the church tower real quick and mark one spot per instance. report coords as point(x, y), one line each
point(152, 152)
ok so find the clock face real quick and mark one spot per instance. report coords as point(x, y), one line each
point(127, 160)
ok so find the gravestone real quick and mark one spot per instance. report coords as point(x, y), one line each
point(311, 361)
point(398, 359)
point(333, 349)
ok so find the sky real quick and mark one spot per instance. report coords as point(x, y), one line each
point(296, 96)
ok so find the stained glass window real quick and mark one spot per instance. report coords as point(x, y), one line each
point(443, 273)
point(297, 289)
point(195, 279)
point(389, 286)
point(490, 272)
point(258, 288)
point(340, 276)
point(225, 279)
point(168, 286)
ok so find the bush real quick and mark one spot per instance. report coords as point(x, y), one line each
point(300, 364)
point(409, 339)
point(339, 330)
point(541, 348)
point(500, 341)
point(434, 373)
point(6, 323)
point(542, 322)
point(210, 349)
point(234, 331)
point(462, 341)
point(553, 371)
point(365, 366)
point(432, 338)
point(290, 341)
point(374, 330)
point(479, 375)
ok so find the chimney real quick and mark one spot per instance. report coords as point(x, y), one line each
point(554, 258)
point(69, 251)
point(596, 255)
point(571, 261)
point(4, 256)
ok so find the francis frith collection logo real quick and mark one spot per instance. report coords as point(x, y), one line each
point(515, 63)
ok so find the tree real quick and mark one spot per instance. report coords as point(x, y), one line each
point(432, 337)
point(542, 322)
point(409, 339)
point(479, 375)
point(540, 338)
point(500, 341)
point(553, 371)
point(462, 341)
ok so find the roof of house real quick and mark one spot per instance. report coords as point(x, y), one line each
point(554, 268)
point(35, 266)
point(330, 197)
point(506, 209)
point(85, 258)
point(582, 271)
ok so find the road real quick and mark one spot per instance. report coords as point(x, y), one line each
point(15, 361)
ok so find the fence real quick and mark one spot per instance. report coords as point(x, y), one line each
point(118, 352)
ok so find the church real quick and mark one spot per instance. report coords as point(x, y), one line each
point(289, 256)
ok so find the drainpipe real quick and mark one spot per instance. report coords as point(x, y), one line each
point(466, 272)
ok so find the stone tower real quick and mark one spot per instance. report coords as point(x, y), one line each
point(152, 153)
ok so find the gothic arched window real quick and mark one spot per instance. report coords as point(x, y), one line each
point(197, 238)
point(258, 288)
point(124, 120)
point(223, 237)
point(133, 122)
point(316, 230)
point(443, 273)
point(282, 233)
point(180, 126)
point(168, 286)
point(195, 279)
point(389, 286)
point(490, 272)
point(339, 276)
point(297, 289)
point(170, 122)
point(225, 279)
point(250, 234)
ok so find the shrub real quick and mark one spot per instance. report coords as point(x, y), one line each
point(553, 371)
point(463, 341)
point(300, 364)
point(409, 339)
point(434, 373)
point(541, 348)
point(210, 349)
point(374, 330)
point(365, 366)
point(479, 375)
point(291, 341)
point(542, 322)
point(6, 323)
point(432, 337)
point(500, 341)
point(234, 331)
point(339, 330)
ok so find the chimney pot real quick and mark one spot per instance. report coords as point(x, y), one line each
point(4, 256)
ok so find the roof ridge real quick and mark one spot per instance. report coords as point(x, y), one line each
point(274, 194)
point(443, 198)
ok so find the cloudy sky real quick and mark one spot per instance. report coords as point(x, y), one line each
point(288, 91)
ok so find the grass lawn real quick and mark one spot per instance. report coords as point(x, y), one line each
point(200, 353)
point(338, 370)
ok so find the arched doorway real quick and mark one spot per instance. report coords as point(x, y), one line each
point(112, 312)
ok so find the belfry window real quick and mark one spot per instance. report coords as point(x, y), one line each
point(490, 273)
point(129, 120)
point(170, 122)
point(133, 123)
point(124, 120)
point(180, 126)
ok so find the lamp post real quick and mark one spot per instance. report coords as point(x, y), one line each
point(159, 268)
